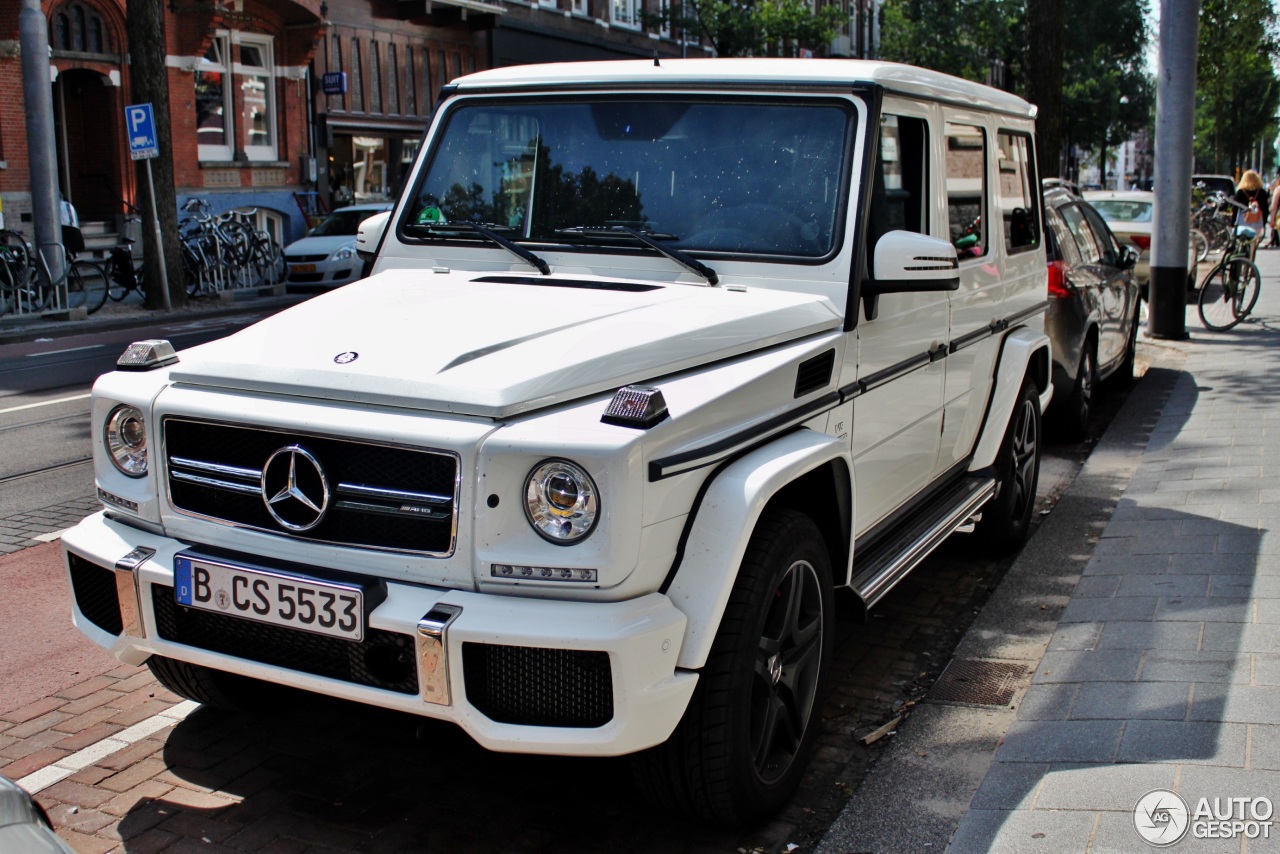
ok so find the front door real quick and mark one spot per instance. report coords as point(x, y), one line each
point(87, 115)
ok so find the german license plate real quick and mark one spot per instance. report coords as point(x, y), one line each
point(308, 604)
point(302, 268)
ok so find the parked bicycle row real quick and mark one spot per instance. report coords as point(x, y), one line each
point(219, 252)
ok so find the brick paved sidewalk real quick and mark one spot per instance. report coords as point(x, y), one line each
point(30, 529)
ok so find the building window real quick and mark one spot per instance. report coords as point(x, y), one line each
point(581, 7)
point(375, 78)
point(256, 77)
point(356, 88)
point(213, 102)
point(393, 81)
point(625, 13)
point(664, 18)
point(336, 102)
point(410, 84)
point(548, 4)
point(78, 28)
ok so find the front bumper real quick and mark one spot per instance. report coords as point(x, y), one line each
point(486, 662)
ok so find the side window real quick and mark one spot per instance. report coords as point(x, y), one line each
point(1102, 234)
point(1019, 201)
point(898, 195)
point(1090, 251)
point(1062, 239)
point(967, 189)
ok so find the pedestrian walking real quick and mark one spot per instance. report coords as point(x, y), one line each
point(1253, 197)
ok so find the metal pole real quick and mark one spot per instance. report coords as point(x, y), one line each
point(155, 221)
point(1175, 120)
point(37, 96)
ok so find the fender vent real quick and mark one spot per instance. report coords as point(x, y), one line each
point(815, 373)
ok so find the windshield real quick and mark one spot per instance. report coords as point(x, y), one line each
point(342, 223)
point(730, 175)
point(1123, 211)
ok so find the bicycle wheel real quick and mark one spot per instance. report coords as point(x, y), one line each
point(1228, 293)
point(1199, 245)
point(86, 286)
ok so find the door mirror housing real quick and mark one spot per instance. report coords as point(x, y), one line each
point(907, 262)
point(369, 235)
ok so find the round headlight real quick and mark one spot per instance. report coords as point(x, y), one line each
point(344, 253)
point(126, 439)
point(561, 501)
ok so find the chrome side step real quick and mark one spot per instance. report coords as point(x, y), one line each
point(889, 562)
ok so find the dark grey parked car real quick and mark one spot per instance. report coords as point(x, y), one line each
point(24, 827)
point(1093, 308)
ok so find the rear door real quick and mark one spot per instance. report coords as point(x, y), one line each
point(1115, 290)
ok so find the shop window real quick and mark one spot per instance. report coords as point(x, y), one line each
point(625, 13)
point(78, 28)
point(213, 102)
point(256, 76)
point(444, 67)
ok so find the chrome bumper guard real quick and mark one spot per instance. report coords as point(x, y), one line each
point(433, 655)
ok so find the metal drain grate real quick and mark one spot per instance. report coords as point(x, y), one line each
point(973, 682)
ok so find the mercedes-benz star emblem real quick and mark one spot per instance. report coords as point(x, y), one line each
point(347, 357)
point(295, 488)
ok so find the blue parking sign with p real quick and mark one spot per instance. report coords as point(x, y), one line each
point(140, 126)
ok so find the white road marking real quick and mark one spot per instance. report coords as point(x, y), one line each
point(68, 350)
point(37, 781)
point(51, 536)
point(84, 396)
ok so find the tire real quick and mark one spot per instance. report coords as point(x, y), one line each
point(1078, 406)
point(741, 749)
point(86, 286)
point(1123, 376)
point(1228, 293)
point(207, 686)
point(1006, 518)
point(1199, 245)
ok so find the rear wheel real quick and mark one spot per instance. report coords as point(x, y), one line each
point(86, 286)
point(1079, 404)
point(1006, 519)
point(1199, 245)
point(744, 742)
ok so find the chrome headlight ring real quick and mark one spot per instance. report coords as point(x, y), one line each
point(125, 436)
point(562, 502)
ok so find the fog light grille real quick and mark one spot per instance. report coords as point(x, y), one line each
point(539, 687)
point(95, 591)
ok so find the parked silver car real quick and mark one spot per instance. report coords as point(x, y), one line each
point(326, 257)
point(24, 826)
point(1093, 308)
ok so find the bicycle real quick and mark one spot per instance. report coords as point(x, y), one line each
point(82, 283)
point(1230, 290)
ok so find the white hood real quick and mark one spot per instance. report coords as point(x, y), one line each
point(446, 342)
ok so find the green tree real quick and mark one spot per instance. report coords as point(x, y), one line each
point(1237, 90)
point(755, 27)
point(1107, 94)
point(969, 39)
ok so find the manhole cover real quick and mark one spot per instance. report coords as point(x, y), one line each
point(978, 683)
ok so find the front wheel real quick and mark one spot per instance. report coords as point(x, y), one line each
point(1006, 518)
point(1079, 404)
point(1228, 293)
point(741, 749)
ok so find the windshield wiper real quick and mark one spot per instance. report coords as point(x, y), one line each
point(693, 265)
point(486, 231)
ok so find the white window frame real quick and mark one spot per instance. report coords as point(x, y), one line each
point(266, 49)
point(625, 14)
point(548, 4)
point(582, 7)
point(227, 150)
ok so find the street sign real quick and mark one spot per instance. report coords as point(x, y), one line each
point(335, 83)
point(140, 124)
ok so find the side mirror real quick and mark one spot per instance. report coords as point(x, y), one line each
point(907, 262)
point(369, 235)
point(1128, 258)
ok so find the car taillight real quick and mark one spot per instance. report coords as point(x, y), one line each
point(1142, 241)
point(1058, 284)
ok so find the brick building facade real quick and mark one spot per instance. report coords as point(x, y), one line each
point(251, 123)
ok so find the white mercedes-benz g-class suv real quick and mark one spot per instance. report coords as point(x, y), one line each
point(654, 359)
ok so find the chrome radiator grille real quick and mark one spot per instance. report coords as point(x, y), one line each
point(313, 487)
